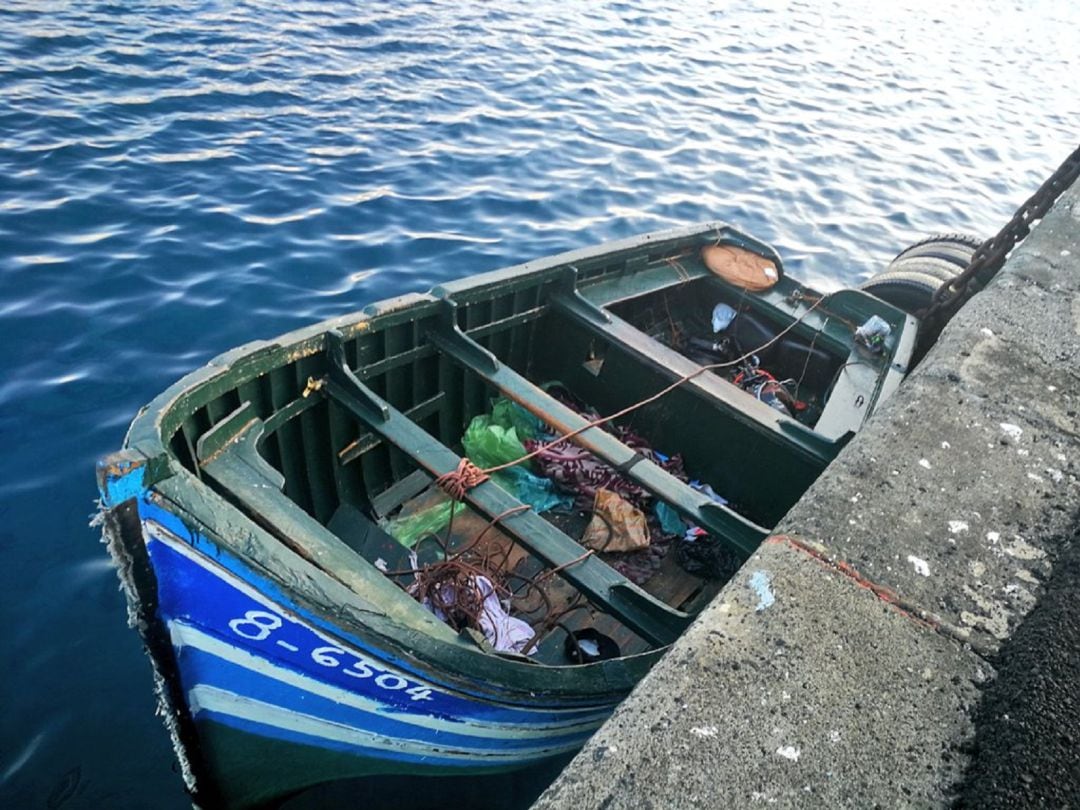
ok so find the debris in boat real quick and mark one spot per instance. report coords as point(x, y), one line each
point(502, 630)
point(722, 316)
point(616, 525)
point(494, 439)
point(589, 648)
point(873, 333)
point(705, 557)
point(724, 354)
point(409, 527)
point(705, 489)
point(710, 352)
point(670, 520)
point(588, 645)
point(511, 415)
point(633, 539)
point(464, 599)
point(766, 388)
point(576, 470)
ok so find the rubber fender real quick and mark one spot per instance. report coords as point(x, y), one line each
point(931, 266)
point(955, 248)
point(910, 292)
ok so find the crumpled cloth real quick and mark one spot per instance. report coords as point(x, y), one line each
point(576, 470)
point(501, 630)
point(616, 525)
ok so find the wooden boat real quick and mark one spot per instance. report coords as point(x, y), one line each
point(247, 509)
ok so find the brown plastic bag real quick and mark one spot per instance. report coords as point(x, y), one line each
point(740, 267)
point(616, 525)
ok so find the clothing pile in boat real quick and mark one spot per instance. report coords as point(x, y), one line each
point(456, 602)
point(706, 556)
point(600, 487)
point(580, 493)
point(577, 471)
point(632, 530)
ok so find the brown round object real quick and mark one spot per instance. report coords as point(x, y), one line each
point(740, 267)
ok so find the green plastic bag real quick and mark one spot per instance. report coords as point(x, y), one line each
point(508, 414)
point(488, 444)
point(409, 530)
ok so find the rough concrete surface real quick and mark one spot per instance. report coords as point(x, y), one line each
point(1027, 726)
point(956, 494)
point(807, 651)
point(843, 664)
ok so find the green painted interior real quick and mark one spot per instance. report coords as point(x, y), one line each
point(333, 461)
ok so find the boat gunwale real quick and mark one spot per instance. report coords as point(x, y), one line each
point(149, 426)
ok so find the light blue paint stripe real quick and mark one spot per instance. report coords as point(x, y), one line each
point(419, 762)
point(120, 488)
point(199, 667)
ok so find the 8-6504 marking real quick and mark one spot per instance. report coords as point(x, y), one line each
point(259, 625)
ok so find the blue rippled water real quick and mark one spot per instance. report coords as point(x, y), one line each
point(180, 177)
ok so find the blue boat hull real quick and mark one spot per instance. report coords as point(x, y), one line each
point(261, 675)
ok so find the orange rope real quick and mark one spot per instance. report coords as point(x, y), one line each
point(458, 482)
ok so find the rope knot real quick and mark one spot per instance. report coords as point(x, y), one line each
point(458, 482)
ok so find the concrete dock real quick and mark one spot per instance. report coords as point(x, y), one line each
point(876, 651)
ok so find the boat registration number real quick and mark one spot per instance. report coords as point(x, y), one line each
point(259, 625)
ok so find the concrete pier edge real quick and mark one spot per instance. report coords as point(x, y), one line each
point(844, 663)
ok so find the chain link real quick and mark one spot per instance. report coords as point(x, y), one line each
point(991, 254)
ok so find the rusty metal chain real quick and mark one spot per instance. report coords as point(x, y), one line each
point(991, 254)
